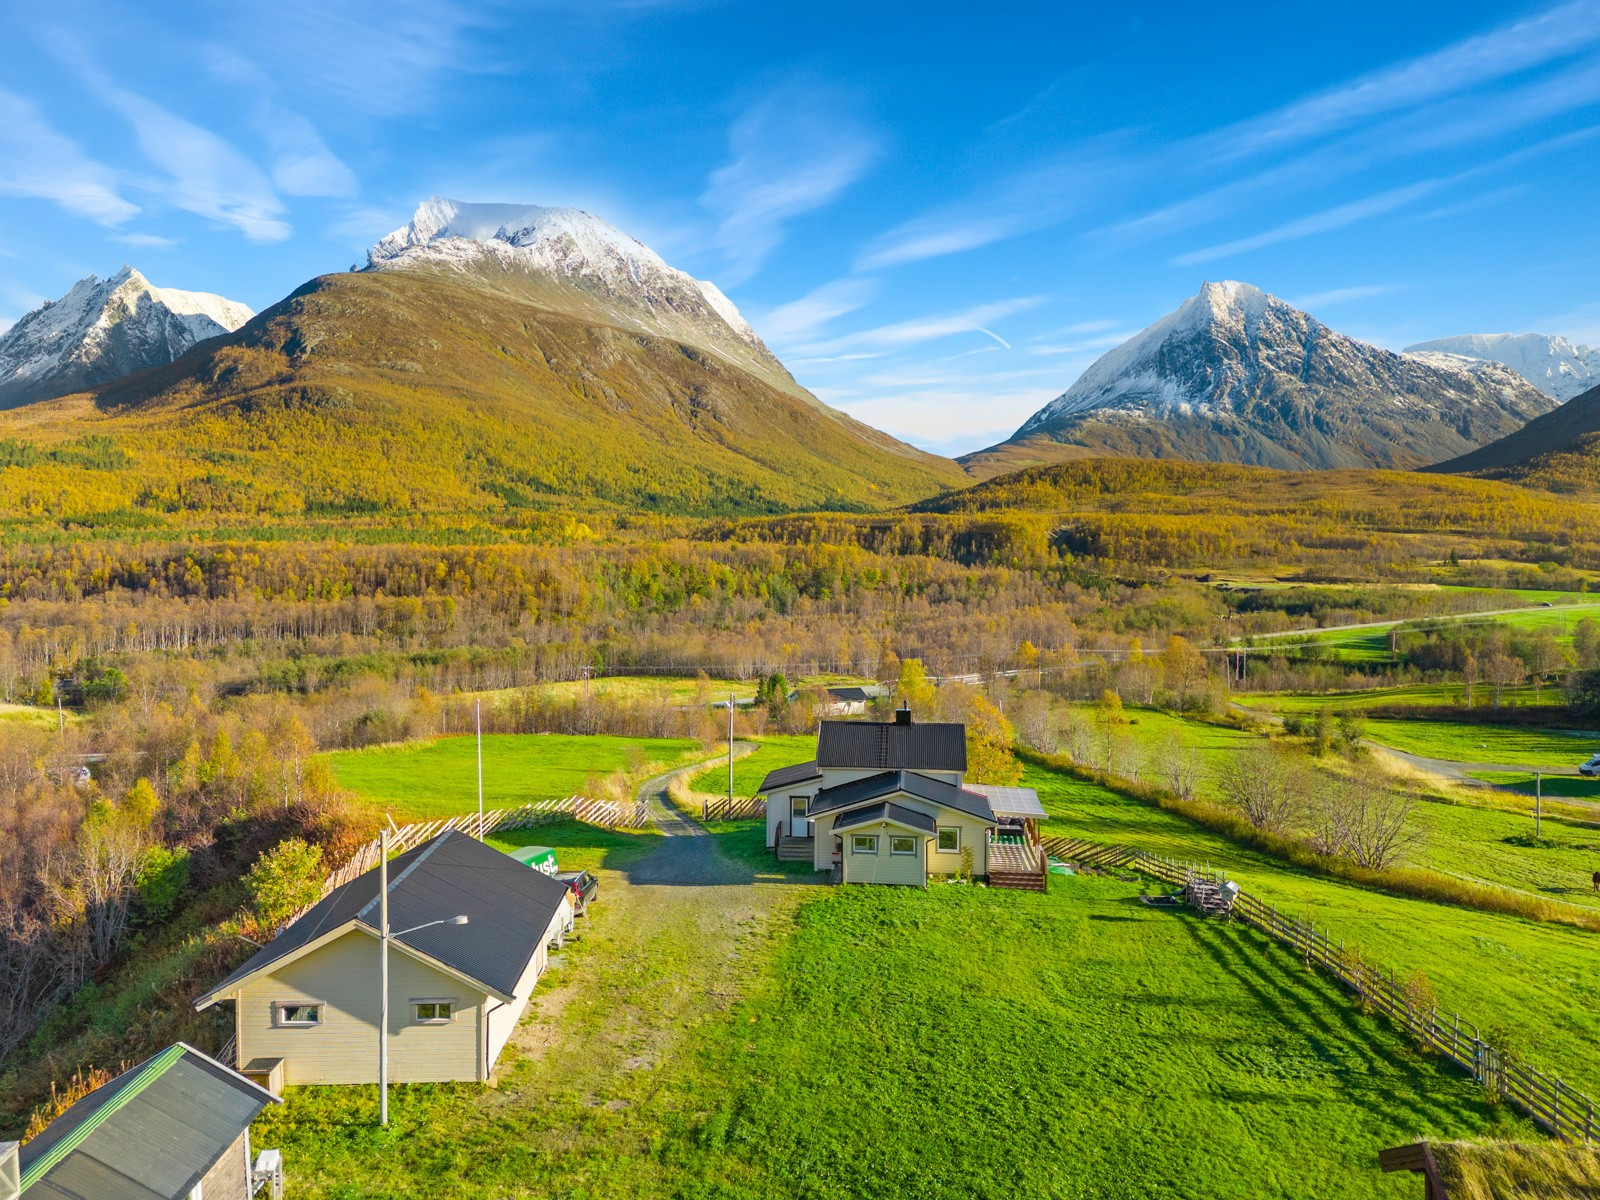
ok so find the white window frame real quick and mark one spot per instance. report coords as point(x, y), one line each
point(939, 840)
point(418, 1019)
point(804, 802)
point(279, 1021)
point(857, 838)
point(911, 845)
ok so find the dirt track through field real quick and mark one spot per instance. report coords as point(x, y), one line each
point(673, 941)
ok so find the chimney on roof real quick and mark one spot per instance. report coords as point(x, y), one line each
point(902, 715)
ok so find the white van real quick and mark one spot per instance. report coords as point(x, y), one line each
point(1591, 768)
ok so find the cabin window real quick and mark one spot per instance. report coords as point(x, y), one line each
point(902, 845)
point(432, 1012)
point(949, 839)
point(297, 1015)
point(864, 843)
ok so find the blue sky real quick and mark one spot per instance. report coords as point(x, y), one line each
point(938, 215)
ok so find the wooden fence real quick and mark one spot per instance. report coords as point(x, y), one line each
point(1563, 1110)
point(740, 808)
point(405, 837)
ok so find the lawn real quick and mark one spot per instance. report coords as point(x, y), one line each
point(1536, 979)
point(1558, 787)
point(1460, 741)
point(581, 847)
point(781, 750)
point(887, 1043)
point(417, 781)
point(1414, 695)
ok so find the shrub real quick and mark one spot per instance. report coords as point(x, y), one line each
point(285, 880)
point(162, 878)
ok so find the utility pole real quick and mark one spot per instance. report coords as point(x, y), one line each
point(383, 976)
point(1538, 802)
point(730, 751)
point(479, 722)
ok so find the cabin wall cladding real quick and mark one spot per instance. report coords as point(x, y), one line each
point(1563, 1110)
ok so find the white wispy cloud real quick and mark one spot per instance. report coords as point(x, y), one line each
point(147, 241)
point(39, 162)
point(206, 174)
point(1085, 346)
point(925, 329)
point(1034, 198)
point(1555, 34)
point(1327, 219)
point(1346, 295)
point(803, 318)
point(793, 153)
point(302, 164)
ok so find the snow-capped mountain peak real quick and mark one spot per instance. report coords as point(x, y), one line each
point(1554, 365)
point(1235, 374)
point(103, 329)
point(630, 280)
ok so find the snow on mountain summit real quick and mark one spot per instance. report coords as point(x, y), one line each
point(1554, 365)
point(1236, 375)
point(103, 329)
point(567, 244)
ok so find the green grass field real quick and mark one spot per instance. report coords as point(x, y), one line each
point(1463, 742)
point(422, 780)
point(780, 750)
point(581, 847)
point(1559, 787)
point(1533, 978)
point(1416, 695)
point(951, 1043)
point(1371, 645)
point(672, 689)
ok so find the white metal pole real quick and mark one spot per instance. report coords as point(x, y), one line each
point(383, 976)
point(480, 769)
point(730, 752)
point(1538, 802)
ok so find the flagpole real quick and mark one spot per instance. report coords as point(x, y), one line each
point(479, 723)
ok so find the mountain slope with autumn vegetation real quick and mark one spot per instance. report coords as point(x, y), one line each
point(439, 389)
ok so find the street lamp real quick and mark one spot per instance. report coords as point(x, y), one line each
point(383, 969)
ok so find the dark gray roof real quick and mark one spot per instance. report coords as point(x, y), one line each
point(783, 777)
point(152, 1133)
point(887, 812)
point(508, 908)
point(887, 783)
point(851, 695)
point(1010, 801)
point(888, 746)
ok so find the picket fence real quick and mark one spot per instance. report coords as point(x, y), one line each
point(1559, 1108)
point(740, 808)
point(603, 813)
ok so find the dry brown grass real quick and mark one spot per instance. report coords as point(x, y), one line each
point(1519, 1171)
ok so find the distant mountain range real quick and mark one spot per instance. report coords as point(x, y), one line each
point(1559, 451)
point(489, 358)
point(104, 329)
point(1236, 375)
point(1552, 364)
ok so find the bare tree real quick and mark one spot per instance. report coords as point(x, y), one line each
point(1266, 785)
point(1380, 826)
point(1178, 767)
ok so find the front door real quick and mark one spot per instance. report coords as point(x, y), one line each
point(798, 825)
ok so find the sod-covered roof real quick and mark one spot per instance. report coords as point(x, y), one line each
point(1518, 1170)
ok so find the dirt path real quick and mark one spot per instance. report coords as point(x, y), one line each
point(675, 938)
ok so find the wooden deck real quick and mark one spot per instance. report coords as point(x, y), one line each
point(1019, 866)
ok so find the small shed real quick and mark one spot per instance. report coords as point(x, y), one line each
point(175, 1127)
point(540, 858)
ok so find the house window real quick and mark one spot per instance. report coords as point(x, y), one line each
point(296, 1015)
point(432, 1012)
point(797, 807)
point(902, 845)
point(949, 839)
point(864, 843)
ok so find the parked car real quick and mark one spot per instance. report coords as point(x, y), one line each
point(1591, 768)
point(585, 887)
